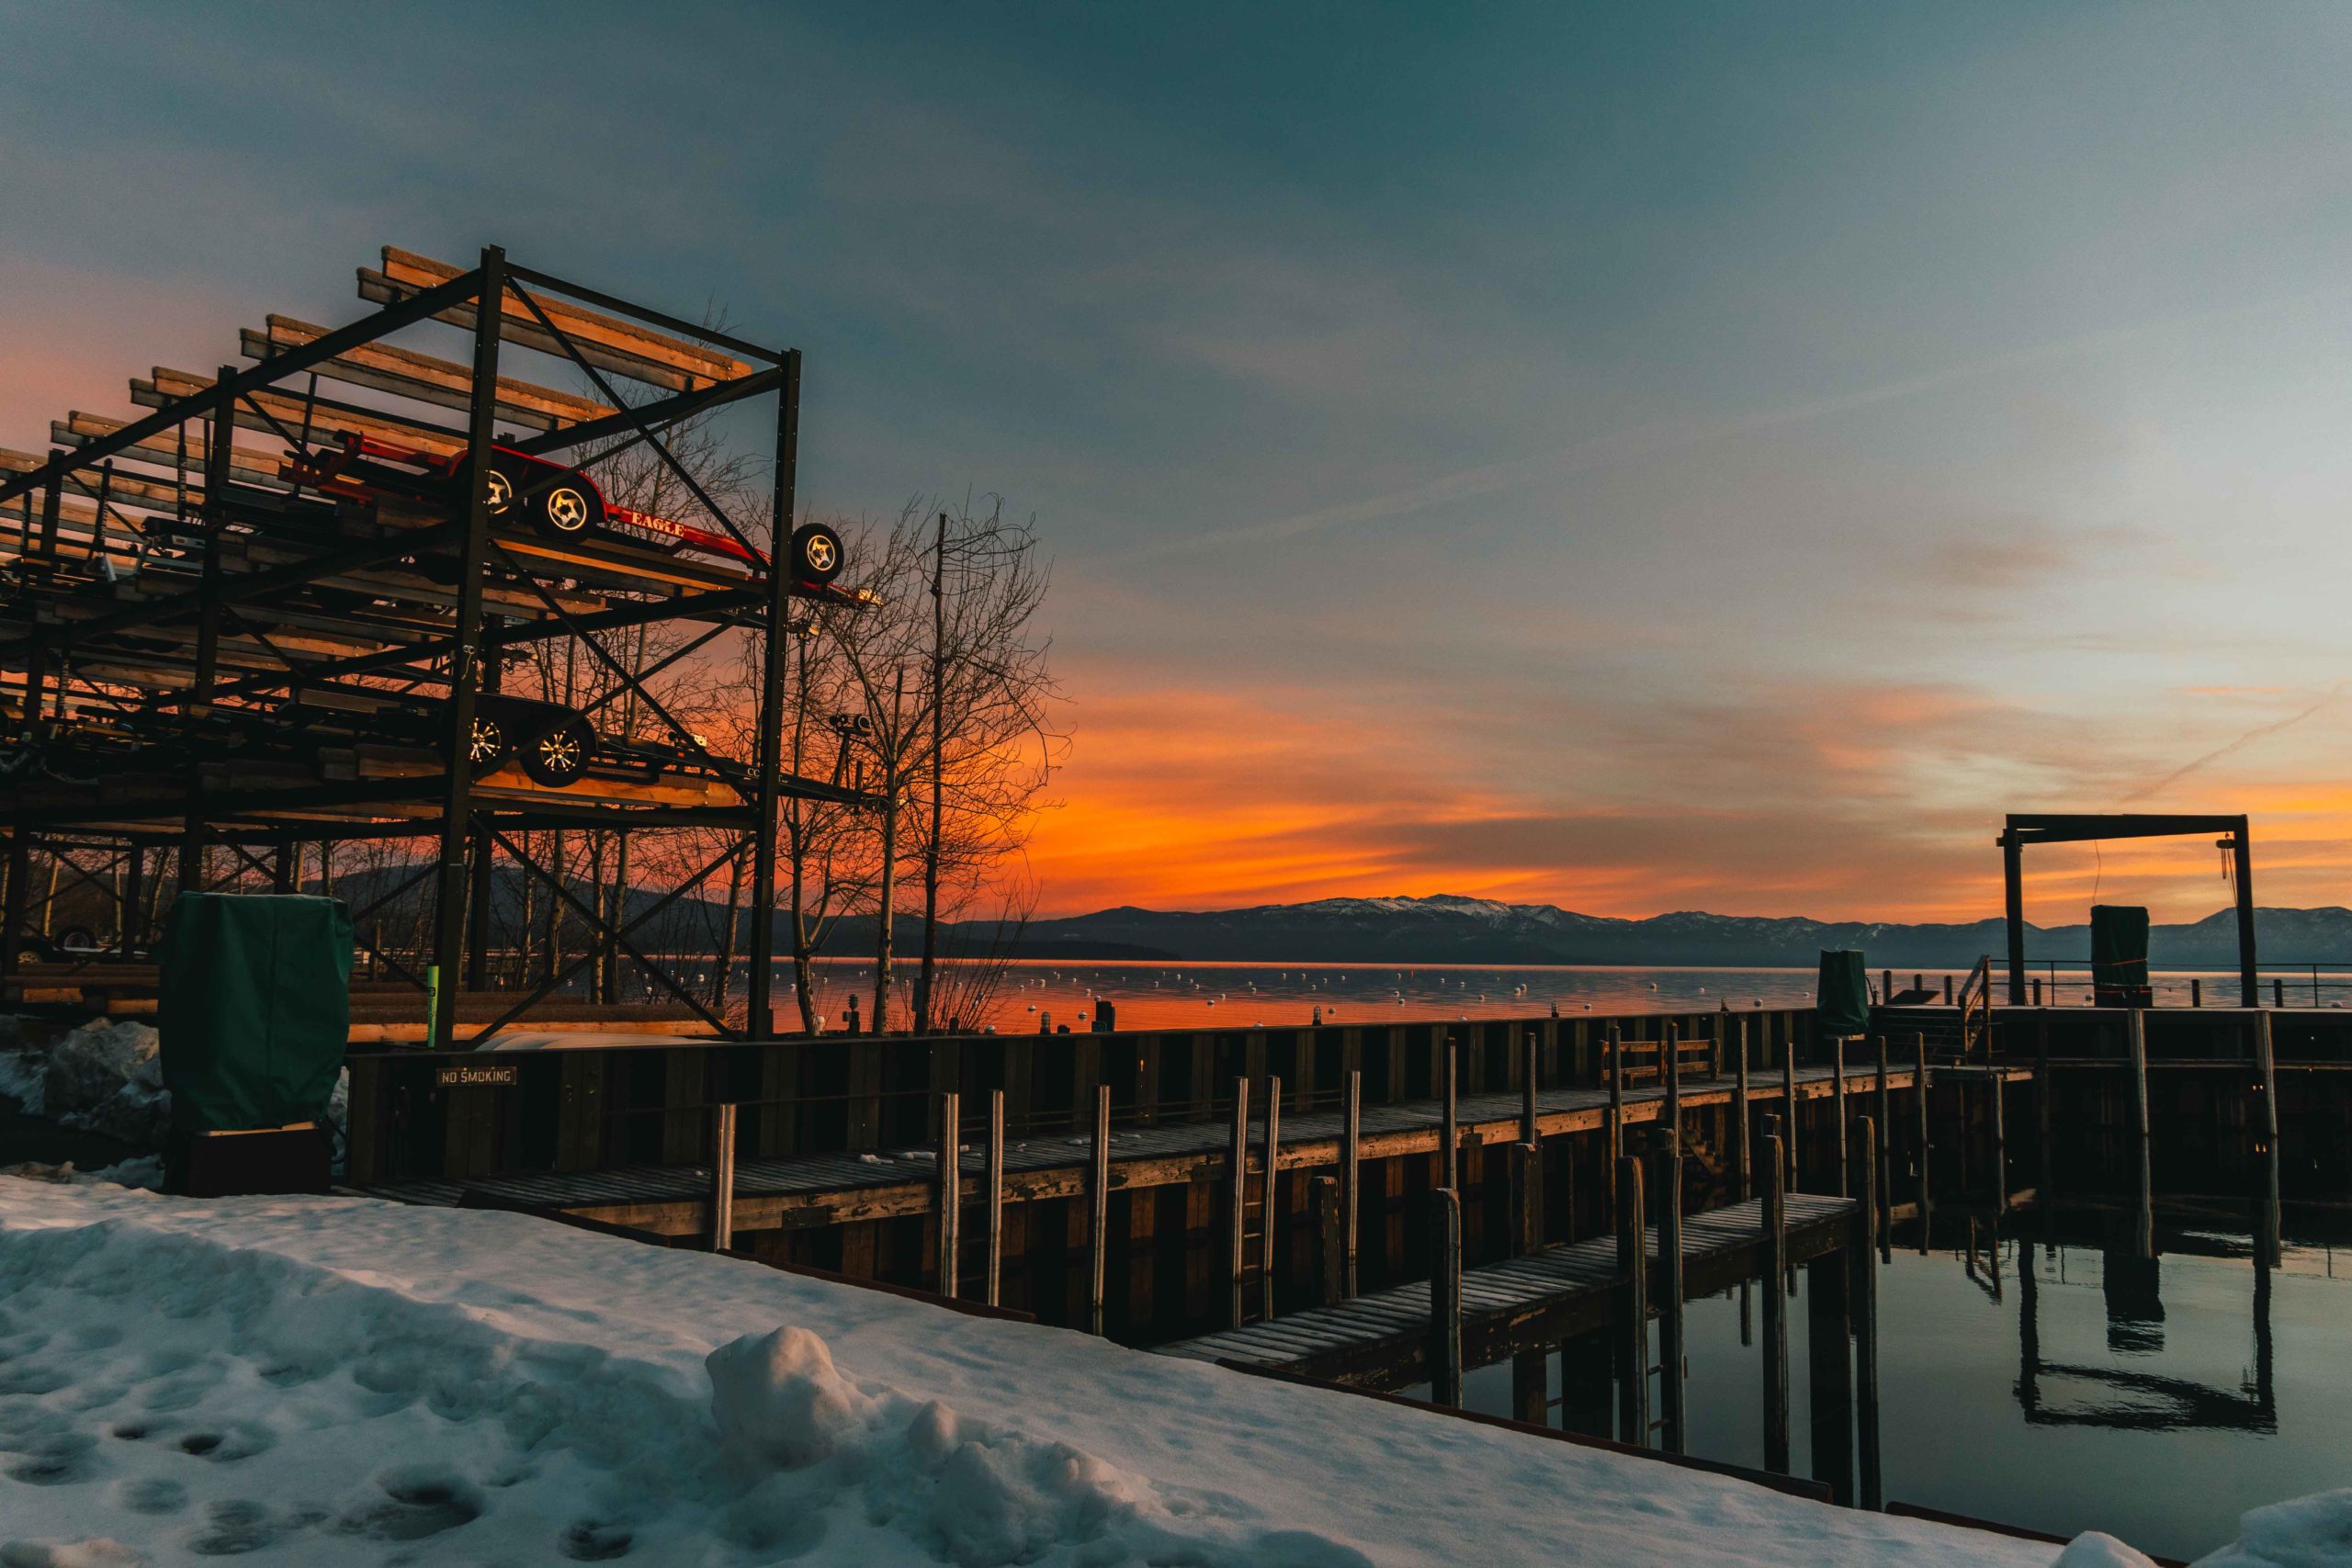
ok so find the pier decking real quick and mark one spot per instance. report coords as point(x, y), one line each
point(1519, 1306)
point(798, 1191)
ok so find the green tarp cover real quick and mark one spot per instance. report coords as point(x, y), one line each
point(1843, 997)
point(254, 1010)
point(2118, 947)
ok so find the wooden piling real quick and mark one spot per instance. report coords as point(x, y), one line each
point(1350, 1181)
point(1999, 1093)
point(1445, 1298)
point(1527, 1131)
point(992, 1177)
point(1614, 1122)
point(722, 1176)
point(1776, 1311)
point(1788, 1108)
point(2144, 1240)
point(1670, 1056)
point(1829, 1395)
point(1838, 1107)
point(1633, 1324)
point(2266, 1088)
point(1585, 1392)
point(1237, 1208)
point(1330, 1268)
point(1740, 1114)
point(1882, 1194)
point(950, 1196)
point(1526, 1199)
point(1919, 1088)
point(1675, 1437)
point(1098, 1194)
point(1864, 1263)
point(1268, 1190)
point(1450, 1142)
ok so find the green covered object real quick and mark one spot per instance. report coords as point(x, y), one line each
point(2120, 954)
point(1842, 999)
point(254, 1010)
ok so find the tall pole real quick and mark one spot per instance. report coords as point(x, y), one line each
point(774, 669)
point(216, 447)
point(2242, 863)
point(2013, 886)
point(465, 674)
point(938, 766)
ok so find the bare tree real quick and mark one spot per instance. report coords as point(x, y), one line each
point(954, 706)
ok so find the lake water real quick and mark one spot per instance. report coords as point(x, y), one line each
point(1177, 994)
point(2088, 1392)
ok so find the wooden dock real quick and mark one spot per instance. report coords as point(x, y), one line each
point(1523, 1304)
point(799, 1191)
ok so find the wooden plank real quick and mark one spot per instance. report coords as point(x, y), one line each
point(610, 343)
point(168, 385)
point(424, 376)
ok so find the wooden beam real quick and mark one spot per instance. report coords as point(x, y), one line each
point(423, 376)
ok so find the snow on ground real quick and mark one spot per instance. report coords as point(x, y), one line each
point(330, 1380)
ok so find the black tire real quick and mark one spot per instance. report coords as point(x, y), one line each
point(817, 554)
point(557, 755)
point(77, 938)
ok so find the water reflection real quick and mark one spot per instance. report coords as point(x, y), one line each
point(2075, 1394)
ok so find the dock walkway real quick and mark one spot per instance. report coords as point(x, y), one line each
point(1523, 1304)
point(794, 1191)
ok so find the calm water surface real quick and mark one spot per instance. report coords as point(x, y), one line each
point(2087, 1392)
point(1176, 995)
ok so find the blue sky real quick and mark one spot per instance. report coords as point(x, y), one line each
point(1637, 457)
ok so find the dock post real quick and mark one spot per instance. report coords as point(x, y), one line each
point(1676, 1437)
point(1882, 1193)
point(1269, 1193)
point(1830, 1398)
point(1863, 1294)
point(1585, 1394)
point(950, 1189)
point(1789, 1107)
point(1450, 1149)
point(1615, 1120)
point(992, 1177)
point(1776, 1313)
point(1633, 1327)
point(1670, 1056)
point(2143, 1241)
point(2000, 1092)
point(2266, 1069)
point(1323, 1199)
point(1741, 1166)
point(1445, 1299)
point(1527, 1133)
point(1350, 1181)
point(1237, 1210)
point(2045, 1179)
point(1837, 1105)
point(1098, 1195)
point(1919, 1088)
point(722, 1176)
point(1526, 1200)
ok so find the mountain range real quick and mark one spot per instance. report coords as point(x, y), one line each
point(1449, 929)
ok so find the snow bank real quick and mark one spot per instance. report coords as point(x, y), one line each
point(354, 1382)
point(107, 1075)
point(2310, 1532)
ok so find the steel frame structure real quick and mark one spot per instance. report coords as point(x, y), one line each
point(2023, 828)
point(190, 606)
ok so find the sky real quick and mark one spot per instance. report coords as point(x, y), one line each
point(1632, 457)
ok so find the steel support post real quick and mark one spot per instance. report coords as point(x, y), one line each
point(774, 654)
point(465, 678)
